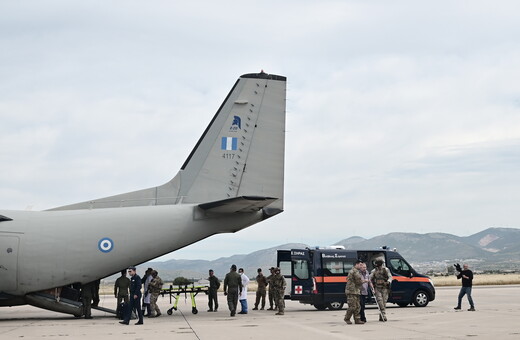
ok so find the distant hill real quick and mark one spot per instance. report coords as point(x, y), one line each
point(496, 240)
point(422, 247)
point(493, 248)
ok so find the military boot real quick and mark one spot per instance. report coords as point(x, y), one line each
point(359, 322)
point(347, 317)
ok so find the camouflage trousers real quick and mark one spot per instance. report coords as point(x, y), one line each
point(354, 307)
point(153, 305)
point(382, 298)
point(271, 297)
point(260, 296)
point(279, 301)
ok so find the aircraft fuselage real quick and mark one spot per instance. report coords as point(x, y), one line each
point(54, 248)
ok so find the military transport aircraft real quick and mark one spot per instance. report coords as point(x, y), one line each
point(233, 178)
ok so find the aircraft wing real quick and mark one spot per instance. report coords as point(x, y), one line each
point(238, 204)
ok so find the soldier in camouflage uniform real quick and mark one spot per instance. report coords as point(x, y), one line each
point(353, 290)
point(278, 282)
point(261, 280)
point(155, 287)
point(270, 288)
point(381, 279)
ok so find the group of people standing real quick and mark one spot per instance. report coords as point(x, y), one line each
point(128, 294)
point(358, 283)
point(379, 281)
point(235, 289)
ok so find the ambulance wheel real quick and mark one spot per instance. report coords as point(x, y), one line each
point(421, 299)
point(320, 306)
point(335, 305)
point(169, 312)
point(194, 310)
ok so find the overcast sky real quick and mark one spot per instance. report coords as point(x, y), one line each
point(401, 115)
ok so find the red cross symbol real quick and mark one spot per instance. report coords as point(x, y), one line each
point(298, 289)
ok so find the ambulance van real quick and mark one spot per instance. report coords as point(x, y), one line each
point(318, 276)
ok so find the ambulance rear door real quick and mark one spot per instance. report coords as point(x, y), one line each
point(295, 267)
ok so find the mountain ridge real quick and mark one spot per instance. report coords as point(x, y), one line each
point(489, 248)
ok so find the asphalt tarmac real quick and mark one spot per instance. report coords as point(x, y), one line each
point(497, 316)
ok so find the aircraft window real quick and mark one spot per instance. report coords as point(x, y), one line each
point(336, 268)
point(301, 269)
point(285, 268)
point(4, 218)
point(399, 266)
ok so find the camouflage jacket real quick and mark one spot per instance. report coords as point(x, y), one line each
point(278, 282)
point(354, 282)
point(270, 281)
point(261, 280)
point(155, 285)
point(381, 277)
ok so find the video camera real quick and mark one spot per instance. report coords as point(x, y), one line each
point(457, 267)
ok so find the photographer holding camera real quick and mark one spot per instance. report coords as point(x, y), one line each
point(467, 282)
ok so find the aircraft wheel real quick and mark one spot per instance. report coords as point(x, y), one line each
point(336, 305)
point(320, 306)
point(421, 299)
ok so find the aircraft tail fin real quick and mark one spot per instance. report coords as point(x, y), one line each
point(241, 153)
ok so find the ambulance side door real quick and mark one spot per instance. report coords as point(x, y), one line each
point(402, 285)
point(284, 263)
point(301, 280)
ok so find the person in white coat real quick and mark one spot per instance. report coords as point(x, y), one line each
point(147, 278)
point(243, 296)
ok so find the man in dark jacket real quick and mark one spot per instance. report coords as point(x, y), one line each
point(214, 285)
point(135, 298)
point(467, 283)
point(87, 293)
point(232, 289)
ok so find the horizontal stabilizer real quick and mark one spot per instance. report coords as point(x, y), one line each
point(238, 204)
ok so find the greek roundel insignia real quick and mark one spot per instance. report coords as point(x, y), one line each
point(105, 245)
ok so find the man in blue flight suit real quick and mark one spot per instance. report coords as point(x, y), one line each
point(135, 298)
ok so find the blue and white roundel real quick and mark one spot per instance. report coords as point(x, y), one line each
point(105, 245)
